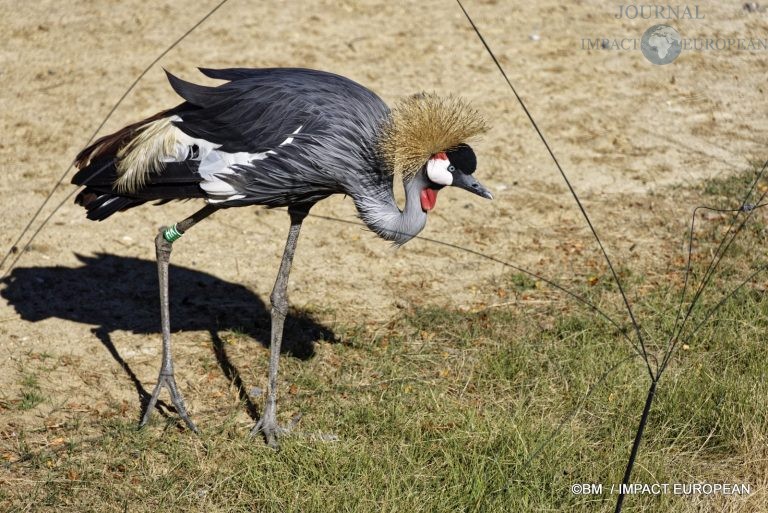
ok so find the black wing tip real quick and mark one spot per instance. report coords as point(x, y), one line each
point(209, 72)
point(171, 77)
point(177, 84)
point(231, 74)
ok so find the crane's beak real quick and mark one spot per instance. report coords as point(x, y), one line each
point(468, 183)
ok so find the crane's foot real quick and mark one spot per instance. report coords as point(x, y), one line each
point(166, 380)
point(267, 426)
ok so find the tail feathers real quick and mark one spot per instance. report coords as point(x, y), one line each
point(100, 206)
point(99, 173)
point(127, 168)
point(101, 198)
point(110, 144)
point(98, 198)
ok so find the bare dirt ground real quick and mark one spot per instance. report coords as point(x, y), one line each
point(629, 133)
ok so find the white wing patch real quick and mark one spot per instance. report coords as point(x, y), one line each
point(214, 163)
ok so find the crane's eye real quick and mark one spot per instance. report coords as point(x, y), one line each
point(451, 168)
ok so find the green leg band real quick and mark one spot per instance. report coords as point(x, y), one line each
point(172, 234)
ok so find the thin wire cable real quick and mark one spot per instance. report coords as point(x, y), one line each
point(675, 338)
point(725, 298)
point(37, 231)
point(687, 276)
point(573, 192)
point(716, 307)
point(15, 244)
point(718, 256)
point(552, 283)
point(583, 401)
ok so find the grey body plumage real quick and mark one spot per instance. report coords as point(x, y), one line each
point(280, 137)
point(335, 147)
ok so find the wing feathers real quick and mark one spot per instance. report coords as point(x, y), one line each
point(110, 144)
point(201, 96)
point(231, 74)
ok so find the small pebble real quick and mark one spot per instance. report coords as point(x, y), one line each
point(751, 7)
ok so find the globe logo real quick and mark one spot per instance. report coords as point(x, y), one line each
point(661, 44)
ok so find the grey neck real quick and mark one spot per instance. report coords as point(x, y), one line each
point(380, 213)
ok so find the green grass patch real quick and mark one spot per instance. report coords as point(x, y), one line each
point(31, 395)
point(446, 416)
point(449, 411)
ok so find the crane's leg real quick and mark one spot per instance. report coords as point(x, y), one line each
point(163, 246)
point(267, 425)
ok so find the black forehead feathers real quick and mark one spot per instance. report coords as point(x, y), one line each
point(463, 158)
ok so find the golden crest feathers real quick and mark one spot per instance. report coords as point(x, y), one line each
point(425, 124)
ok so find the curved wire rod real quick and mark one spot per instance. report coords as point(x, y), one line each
point(675, 338)
point(720, 251)
point(688, 267)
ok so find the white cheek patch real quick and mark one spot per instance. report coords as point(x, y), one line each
point(437, 171)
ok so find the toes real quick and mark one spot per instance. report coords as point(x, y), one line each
point(168, 381)
point(270, 431)
point(256, 430)
point(294, 420)
point(272, 441)
point(191, 425)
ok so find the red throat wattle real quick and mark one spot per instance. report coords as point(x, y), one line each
point(428, 199)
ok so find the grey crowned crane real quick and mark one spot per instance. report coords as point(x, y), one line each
point(280, 137)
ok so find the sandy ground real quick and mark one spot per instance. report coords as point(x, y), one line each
point(627, 132)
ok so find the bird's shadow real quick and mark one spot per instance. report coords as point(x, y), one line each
point(120, 293)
